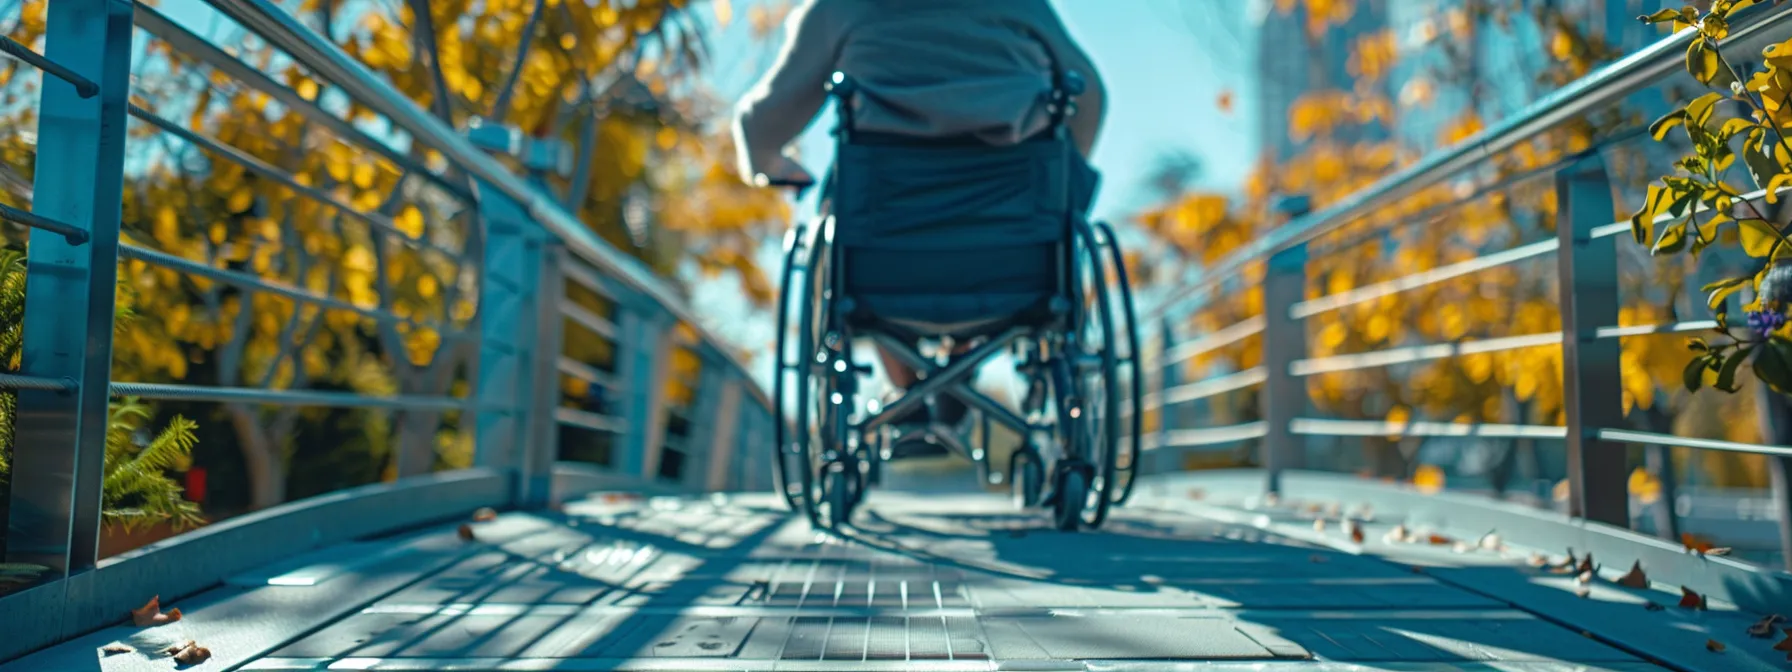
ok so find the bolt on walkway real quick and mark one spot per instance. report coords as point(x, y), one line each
point(1176, 581)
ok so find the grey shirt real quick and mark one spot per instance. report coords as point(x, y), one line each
point(930, 68)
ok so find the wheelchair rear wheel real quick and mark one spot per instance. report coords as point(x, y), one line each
point(1132, 444)
point(1091, 410)
point(790, 449)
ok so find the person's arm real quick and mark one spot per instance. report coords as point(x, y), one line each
point(1085, 127)
point(777, 109)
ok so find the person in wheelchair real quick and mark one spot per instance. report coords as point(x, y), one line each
point(957, 72)
point(956, 214)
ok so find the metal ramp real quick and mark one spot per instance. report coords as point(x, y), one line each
point(624, 582)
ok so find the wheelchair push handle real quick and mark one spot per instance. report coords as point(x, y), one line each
point(798, 187)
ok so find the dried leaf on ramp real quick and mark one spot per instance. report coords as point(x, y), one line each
point(151, 615)
point(1690, 599)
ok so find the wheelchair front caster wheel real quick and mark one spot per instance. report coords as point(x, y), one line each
point(1073, 494)
point(1026, 479)
point(840, 495)
point(872, 459)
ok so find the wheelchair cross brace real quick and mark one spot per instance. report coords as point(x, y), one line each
point(948, 379)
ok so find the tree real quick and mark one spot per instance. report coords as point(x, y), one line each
point(223, 177)
point(1383, 109)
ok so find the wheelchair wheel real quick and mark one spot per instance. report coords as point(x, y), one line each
point(790, 451)
point(841, 493)
point(1127, 464)
point(1073, 500)
point(1092, 421)
point(1026, 478)
point(980, 450)
point(871, 456)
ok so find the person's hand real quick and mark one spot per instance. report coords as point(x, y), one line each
point(786, 172)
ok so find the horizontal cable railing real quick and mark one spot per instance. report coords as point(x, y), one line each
point(1281, 389)
point(483, 312)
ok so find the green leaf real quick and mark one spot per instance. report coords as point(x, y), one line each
point(1701, 61)
point(1698, 345)
point(1667, 122)
point(1734, 127)
point(1773, 365)
point(1662, 16)
point(1723, 158)
point(1672, 240)
point(1737, 6)
point(1643, 220)
point(1683, 204)
point(1774, 186)
point(1761, 167)
point(1701, 108)
point(1694, 374)
point(1759, 237)
point(1723, 289)
point(1726, 375)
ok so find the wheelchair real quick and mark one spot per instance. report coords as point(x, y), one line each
point(982, 251)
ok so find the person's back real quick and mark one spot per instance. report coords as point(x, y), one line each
point(926, 68)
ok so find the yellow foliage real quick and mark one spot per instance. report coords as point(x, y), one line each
point(1337, 153)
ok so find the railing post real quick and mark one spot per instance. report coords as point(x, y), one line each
point(1168, 377)
point(511, 319)
point(705, 400)
point(724, 427)
point(1284, 341)
point(59, 447)
point(535, 472)
point(1591, 375)
point(521, 289)
point(644, 341)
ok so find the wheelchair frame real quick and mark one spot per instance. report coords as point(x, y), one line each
point(838, 446)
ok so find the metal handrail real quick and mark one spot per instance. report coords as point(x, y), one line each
point(1604, 86)
point(83, 86)
point(286, 33)
point(1587, 265)
point(519, 355)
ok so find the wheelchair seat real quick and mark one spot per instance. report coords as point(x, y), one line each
point(955, 237)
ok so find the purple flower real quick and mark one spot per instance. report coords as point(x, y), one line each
point(1765, 323)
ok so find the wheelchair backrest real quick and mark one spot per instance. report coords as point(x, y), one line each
point(950, 230)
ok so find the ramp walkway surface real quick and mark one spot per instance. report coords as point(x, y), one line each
point(1179, 580)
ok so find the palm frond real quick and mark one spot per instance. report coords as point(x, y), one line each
point(136, 487)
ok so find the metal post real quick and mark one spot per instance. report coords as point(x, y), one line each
point(644, 341)
point(1659, 460)
point(535, 473)
point(1284, 341)
point(1590, 366)
point(511, 320)
point(1168, 377)
point(726, 424)
point(59, 447)
point(706, 399)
